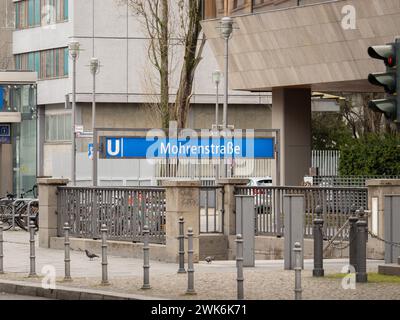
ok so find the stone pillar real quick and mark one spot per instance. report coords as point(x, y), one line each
point(291, 113)
point(183, 200)
point(48, 208)
point(230, 203)
point(378, 189)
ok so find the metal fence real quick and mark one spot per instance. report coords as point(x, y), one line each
point(211, 209)
point(327, 162)
point(212, 168)
point(336, 204)
point(125, 211)
point(346, 181)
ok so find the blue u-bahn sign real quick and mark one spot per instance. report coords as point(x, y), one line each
point(202, 148)
point(5, 133)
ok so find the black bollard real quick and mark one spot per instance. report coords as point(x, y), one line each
point(318, 222)
point(353, 238)
point(362, 237)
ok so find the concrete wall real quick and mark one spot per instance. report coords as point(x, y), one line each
point(226, 7)
point(272, 248)
point(116, 248)
point(307, 45)
point(217, 246)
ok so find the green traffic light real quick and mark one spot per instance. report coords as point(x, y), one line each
point(386, 106)
point(385, 80)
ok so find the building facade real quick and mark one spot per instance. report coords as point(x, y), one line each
point(294, 50)
point(109, 31)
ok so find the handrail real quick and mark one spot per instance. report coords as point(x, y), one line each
point(112, 188)
point(300, 188)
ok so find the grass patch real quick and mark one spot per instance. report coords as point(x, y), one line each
point(372, 277)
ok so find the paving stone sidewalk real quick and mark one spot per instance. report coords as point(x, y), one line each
point(212, 281)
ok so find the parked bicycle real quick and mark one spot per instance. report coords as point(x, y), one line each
point(14, 211)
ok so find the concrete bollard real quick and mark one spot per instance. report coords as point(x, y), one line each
point(239, 266)
point(104, 262)
point(362, 237)
point(1, 248)
point(318, 222)
point(298, 266)
point(190, 290)
point(353, 237)
point(67, 258)
point(146, 259)
point(181, 251)
point(32, 272)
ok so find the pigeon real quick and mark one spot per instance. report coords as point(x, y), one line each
point(209, 259)
point(91, 255)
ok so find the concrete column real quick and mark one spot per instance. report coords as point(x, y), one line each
point(291, 113)
point(183, 200)
point(230, 203)
point(6, 169)
point(48, 209)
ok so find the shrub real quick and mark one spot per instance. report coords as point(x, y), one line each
point(371, 155)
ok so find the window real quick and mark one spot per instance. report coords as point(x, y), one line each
point(58, 128)
point(34, 13)
point(49, 64)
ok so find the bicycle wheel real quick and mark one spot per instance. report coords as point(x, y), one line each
point(6, 216)
point(22, 217)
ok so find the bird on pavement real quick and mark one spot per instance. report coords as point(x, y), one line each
point(209, 259)
point(90, 255)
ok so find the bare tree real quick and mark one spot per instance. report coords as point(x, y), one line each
point(191, 12)
point(360, 118)
point(168, 24)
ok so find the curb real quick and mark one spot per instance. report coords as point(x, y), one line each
point(65, 293)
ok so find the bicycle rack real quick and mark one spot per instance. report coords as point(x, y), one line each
point(15, 202)
point(28, 210)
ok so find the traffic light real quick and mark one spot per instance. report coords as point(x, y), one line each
point(389, 80)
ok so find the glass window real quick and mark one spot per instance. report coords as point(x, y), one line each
point(58, 128)
point(31, 61)
point(37, 12)
point(32, 13)
point(66, 60)
point(17, 21)
point(48, 63)
point(65, 9)
point(37, 62)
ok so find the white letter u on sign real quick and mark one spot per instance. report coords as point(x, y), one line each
point(117, 148)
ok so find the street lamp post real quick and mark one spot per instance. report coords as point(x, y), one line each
point(94, 70)
point(226, 32)
point(217, 79)
point(73, 47)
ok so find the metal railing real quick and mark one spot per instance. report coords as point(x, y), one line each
point(327, 162)
point(211, 168)
point(125, 211)
point(346, 181)
point(211, 209)
point(336, 204)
